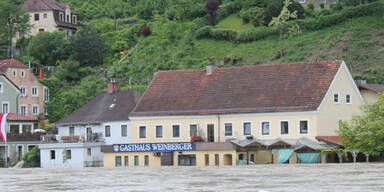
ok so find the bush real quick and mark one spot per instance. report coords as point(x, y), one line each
point(227, 9)
point(311, 6)
point(32, 158)
point(255, 34)
point(145, 30)
point(274, 8)
point(201, 22)
point(204, 32)
point(224, 34)
point(336, 6)
point(254, 15)
point(127, 21)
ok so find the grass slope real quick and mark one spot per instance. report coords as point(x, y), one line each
point(360, 42)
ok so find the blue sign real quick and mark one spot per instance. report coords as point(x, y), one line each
point(153, 147)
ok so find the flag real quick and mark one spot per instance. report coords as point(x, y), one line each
point(3, 131)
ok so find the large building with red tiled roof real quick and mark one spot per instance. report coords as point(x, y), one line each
point(50, 15)
point(261, 109)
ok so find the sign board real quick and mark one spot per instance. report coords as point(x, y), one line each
point(153, 147)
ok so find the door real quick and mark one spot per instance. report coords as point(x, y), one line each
point(19, 153)
point(211, 133)
point(166, 158)
point(89, 134)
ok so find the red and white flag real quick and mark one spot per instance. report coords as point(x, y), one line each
point(3, 131)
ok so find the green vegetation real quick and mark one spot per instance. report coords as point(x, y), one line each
point(32, 158)
point(176, 34)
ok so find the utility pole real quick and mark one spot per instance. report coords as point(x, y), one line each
point(114, 14)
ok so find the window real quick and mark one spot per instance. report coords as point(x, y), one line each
point(228, 129)
point(265, 128)
point(175, 130)
point(68, 19)
point(123, 130)
point(14, 73)
point(142, 132)
point(126, 161)
point(22, 73)
point(53, 155)
point(323, 1)
point(23, 91)
point(45, 15)
point(284, 128)
point(303, 127)
point(117, 161)
point(68, 154)
point(74, 19)
point(35, 109)
point(1, 87)
point(206, 159)
point(107, 131)
point(71, 131)
point(30, 147)
point(45, 110)
point(136, 160)
point(146, 160)
point(217, 160)
point(89, 151)
point(252, 158)
point(35, 92)
point(61, 16)
point(37, 16)
point(26, 128)
point(23, 110)
point(41, 30)
point(159, 131)
point(5, 108)
point(247, 128)
point(46, 94)
point(336, 98)
point(302, 1)
point(335, 1)
point(348, 99)
point(193, 130)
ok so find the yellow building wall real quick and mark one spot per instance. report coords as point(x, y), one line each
point(48, 24)
point(369, 96)
point(330, 113)
point(261, 156)
point(237, 126)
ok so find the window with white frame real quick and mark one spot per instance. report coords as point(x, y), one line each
point(23, 110)
point(336, 98)
point(5, 107)
point(22, 73)
point(14, 73)
point(107, 131)
point(175, 130)
point(35, 109)
point(1, 87)
point(265, 128)
point(74, 19)
point(35, 91)
point(228, 129)
point(348, 99)
point(46, 94)
point(45, 110)
point(71, 131)
point(159, 131)
point(192, 130)
point(142, 132)
point(124, 130)
point(23, 91)
point(247, 128)
point(284, 127)
point(303, 126)
point(45, 16)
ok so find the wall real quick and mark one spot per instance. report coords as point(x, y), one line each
point(237, 124)
point(48, 24)
point(9, 95)
point(316, 3)
point(330, 113)
point(28, 81)
point(13, 148)
point(369, 96)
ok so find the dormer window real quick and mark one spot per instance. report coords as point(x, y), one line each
point(68, 19)
point(61, 17)
point(74, 19)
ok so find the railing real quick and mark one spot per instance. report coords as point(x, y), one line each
point(24, 136)
point(51, 138)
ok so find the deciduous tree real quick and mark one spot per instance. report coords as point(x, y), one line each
point(212, 6)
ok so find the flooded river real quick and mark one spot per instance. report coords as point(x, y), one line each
point(318, 177)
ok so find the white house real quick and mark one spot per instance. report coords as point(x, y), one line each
point(104, 120)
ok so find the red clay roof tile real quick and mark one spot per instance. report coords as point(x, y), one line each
point(261, 88)
point(18, 117)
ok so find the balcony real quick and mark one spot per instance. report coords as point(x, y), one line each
point(23, 137)
point(51, 138)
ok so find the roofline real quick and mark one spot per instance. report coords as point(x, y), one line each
point(14, 85)
point(320, 139)
point(368, 88)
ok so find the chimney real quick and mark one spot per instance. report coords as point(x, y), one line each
point(210, 68)
point(112, 86)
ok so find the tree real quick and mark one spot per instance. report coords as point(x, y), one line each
point(32, 158)
point(47, 48)
point(365, 133)
point(13, 20)
point(87, 47)
point(274, 8)
point(280, 22)
point(211, 6)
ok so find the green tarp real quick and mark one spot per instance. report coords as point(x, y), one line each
point(284, 155)
point(308, 157)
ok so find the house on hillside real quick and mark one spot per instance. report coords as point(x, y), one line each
point(103, 120)
point(318, 3)
point(9, 95)
point(33, 94)
point(239, 115)
point(369, 91)
point(50, 15)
